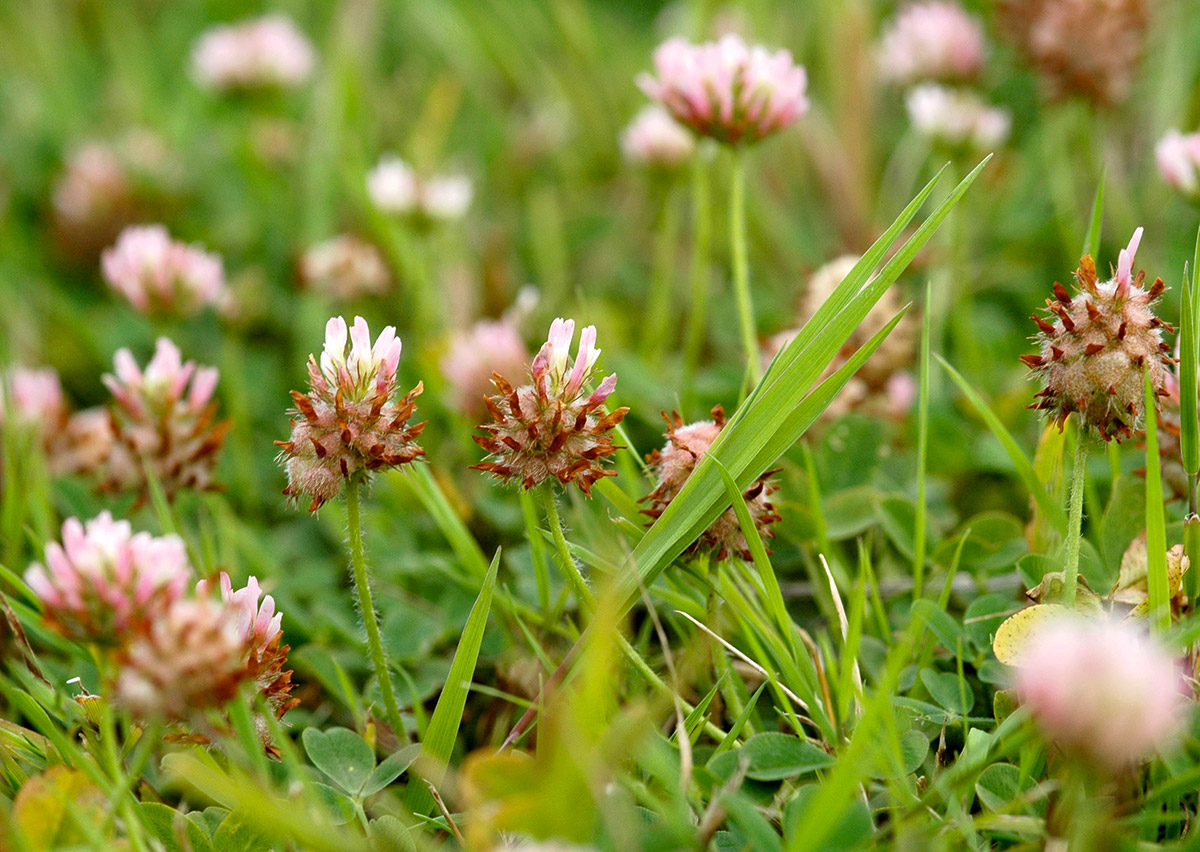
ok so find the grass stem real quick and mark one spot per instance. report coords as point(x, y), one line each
point(1075, 518)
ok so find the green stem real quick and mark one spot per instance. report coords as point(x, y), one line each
point(922, 445)
point(1075, 518)
point(701, 239)
point(741, 268)
point(536, 545)
point(565, 559)
point(362, 584)
point(662, 282)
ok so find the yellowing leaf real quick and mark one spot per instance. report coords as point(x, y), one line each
point(1014, 633)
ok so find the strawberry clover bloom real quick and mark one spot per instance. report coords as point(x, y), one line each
point(657, 140)
point(1104, 692)
point(105, 581)
point(934, 40)
point(554, 427)
point(395, 187)
point(261, 53)
point(352, 421)
point(160, 275)
point(727, 90)
point(163, 417)
point(1178, 159)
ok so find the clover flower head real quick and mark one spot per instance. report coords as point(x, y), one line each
point(553, 427)
point(344, 267)
point(32, 399)
point(191, 658)
point(474, 354)
point(160, 275)
point(674, 463)
point(727, 90)
point(657, 140)
point(933, 40)
point(395, 187)
point(1103, 691)
point(259, 627)
point(1178, 159)
point(261, 53)
point(104, 581)
point(1096, 345)
point(163, 415)
point(956, 118)
point(1090, 48)
point(351, 421)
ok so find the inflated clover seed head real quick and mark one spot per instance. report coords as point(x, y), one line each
point(1096, 346)
point(675, 462)
point(555, 427)
point(353, 420)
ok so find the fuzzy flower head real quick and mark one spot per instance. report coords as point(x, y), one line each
point(160, 275)
point(935, 40)
point(474, 354)
point(104, 581)
point(192, 658)
point(259, 627)
point(1178, 158)
point(164, 415)
point(553, 427)
point(956, 118)
point(674, 463)
point(262, 53)
point(394, 187)
point(352, 421)
point(1096, 346)
point(94, 188)
point(727, 90)
point(1080, 47)
point(656, 140)
point(343, 268)
point(1103, 691)
point(32, 399)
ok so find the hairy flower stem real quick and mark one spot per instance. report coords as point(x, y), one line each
point(565, 559)
point(693, 340)
point(1075, 519)
point(741, 270)
point(362, 584)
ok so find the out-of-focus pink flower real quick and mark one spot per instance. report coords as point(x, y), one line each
point(1178, 158)
point(84, 445)
point(191, 658)
point(94, 185)
point(489, 346)
point(394, 187)
point(258, 624)
point(655, 139)
point(32, 399)
point(553, 427)
point(933, 40)
point(104, 580)
point(956, 118)
point(1103, 691)
point(159, 274)
point(727, 90)
point(344, 267)
point(164, 415)
point(901, 392)
point(352, 421)
point(261, 53)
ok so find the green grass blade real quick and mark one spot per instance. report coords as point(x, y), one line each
point(922, 443)
point(447, 715)
point(1189, 338)
point(1044, 499)
point(1156, 524)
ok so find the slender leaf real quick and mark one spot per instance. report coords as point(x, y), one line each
point(1156, 525)
point(1044, 499)
point(447, 715)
